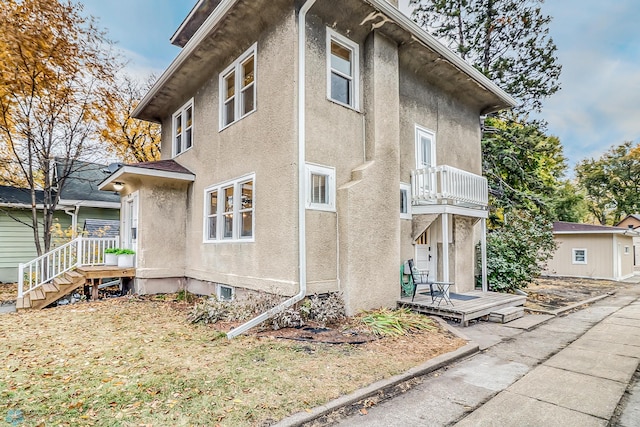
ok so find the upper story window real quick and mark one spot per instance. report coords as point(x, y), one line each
point(321, 187)
point(183, 128)
point(342, 70)
point(229, 211)
point(238, 88)
point(425, 148)
point(579, 256)
point(405, 201)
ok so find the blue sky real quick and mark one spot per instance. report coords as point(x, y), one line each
point(598, 47)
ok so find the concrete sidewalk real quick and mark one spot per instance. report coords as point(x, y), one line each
point(568, 371)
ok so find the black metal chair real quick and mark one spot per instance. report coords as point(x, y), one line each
point(420, 278)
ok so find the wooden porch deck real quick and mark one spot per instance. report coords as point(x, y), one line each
point(466, 306)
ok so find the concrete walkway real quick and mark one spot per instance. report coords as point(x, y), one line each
point(566, 371)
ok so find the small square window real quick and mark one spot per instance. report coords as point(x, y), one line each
point(225, 293)
point(579, 256)
point(321, 187)
point(405, 201)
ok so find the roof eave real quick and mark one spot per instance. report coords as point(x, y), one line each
point(128, 171)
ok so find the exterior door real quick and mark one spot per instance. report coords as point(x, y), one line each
point(130, 222)
point(426, 256)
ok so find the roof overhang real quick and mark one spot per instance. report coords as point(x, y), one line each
point(625, 232)
point(129, 172)
point(178, 78)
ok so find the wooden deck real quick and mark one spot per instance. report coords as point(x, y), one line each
point(105, 271)
point(466, 306)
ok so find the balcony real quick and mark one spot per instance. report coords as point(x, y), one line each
point(446, 185)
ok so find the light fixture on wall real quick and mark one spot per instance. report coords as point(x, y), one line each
point(118, 186)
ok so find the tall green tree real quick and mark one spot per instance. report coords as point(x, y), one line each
point(506, 40)
point(612, 182)
point(56, 68)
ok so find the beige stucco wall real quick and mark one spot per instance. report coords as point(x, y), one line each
point(359, 248)
point(603, 252)
point(262, 143)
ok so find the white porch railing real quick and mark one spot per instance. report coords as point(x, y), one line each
point(78, 252)
point(448, 185)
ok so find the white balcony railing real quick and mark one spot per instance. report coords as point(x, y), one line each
point(80, 251)
point(448, 185)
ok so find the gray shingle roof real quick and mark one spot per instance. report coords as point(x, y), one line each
point(82, 182)
point(561, 226)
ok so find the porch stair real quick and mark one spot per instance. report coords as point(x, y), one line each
point(52, 291)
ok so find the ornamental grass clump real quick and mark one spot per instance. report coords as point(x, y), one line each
point(384, 322)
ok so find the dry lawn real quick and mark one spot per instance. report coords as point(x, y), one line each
point(553, 293)
point(131, 361)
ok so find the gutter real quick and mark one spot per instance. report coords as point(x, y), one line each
point(302, 225)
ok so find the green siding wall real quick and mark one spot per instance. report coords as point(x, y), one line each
point(16, 239)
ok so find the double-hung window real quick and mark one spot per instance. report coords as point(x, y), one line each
point(229, 209)
point(238, 88)
point(342, 70)
point(183, 128)
point(321, 187)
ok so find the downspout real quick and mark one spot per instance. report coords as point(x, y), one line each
point(74, 220)
point(302, 239)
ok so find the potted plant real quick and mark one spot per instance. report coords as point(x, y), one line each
point(111, 256)
point(125, 258)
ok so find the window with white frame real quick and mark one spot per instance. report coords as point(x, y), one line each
point(579, 256)
point(225, 293)
point(229, 211)
point(183, 128)
point(238, 88)
point(321, 187)
point(342, 70)
point(405, 201)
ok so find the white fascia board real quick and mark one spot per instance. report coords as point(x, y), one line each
point(186, 52)
point(89, 204)
point(427, 39)
point(179, 176)
point(625, 232)
point(20, 206)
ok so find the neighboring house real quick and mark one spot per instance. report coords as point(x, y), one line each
point(80, 200)
point(592, 251)
point(633, 222)
point(308, 147)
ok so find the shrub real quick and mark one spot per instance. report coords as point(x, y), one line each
point(328, 309)
point(125, 252)
point(518, 251)
point(386, 322)
point(111, 251)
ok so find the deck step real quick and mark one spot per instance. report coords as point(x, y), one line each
point(37, 294)
point(50, 287)
point(506, 315)
point(61, 282)
point(23, 303)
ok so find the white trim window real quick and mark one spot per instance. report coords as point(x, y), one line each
point(225, 293)
point(321, 187)
point(226, 219)
point(425, 148)
point(343, 70)
point(183, 128)
point(238, 88)
point(579, 256)
point(405, 200)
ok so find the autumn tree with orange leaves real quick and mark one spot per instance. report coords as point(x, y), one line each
point(130, 139)
point(56, 71)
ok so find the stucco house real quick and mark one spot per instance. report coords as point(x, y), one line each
point(308, 147)
point(80, 200)
point(633, 222)
point(592, 251)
